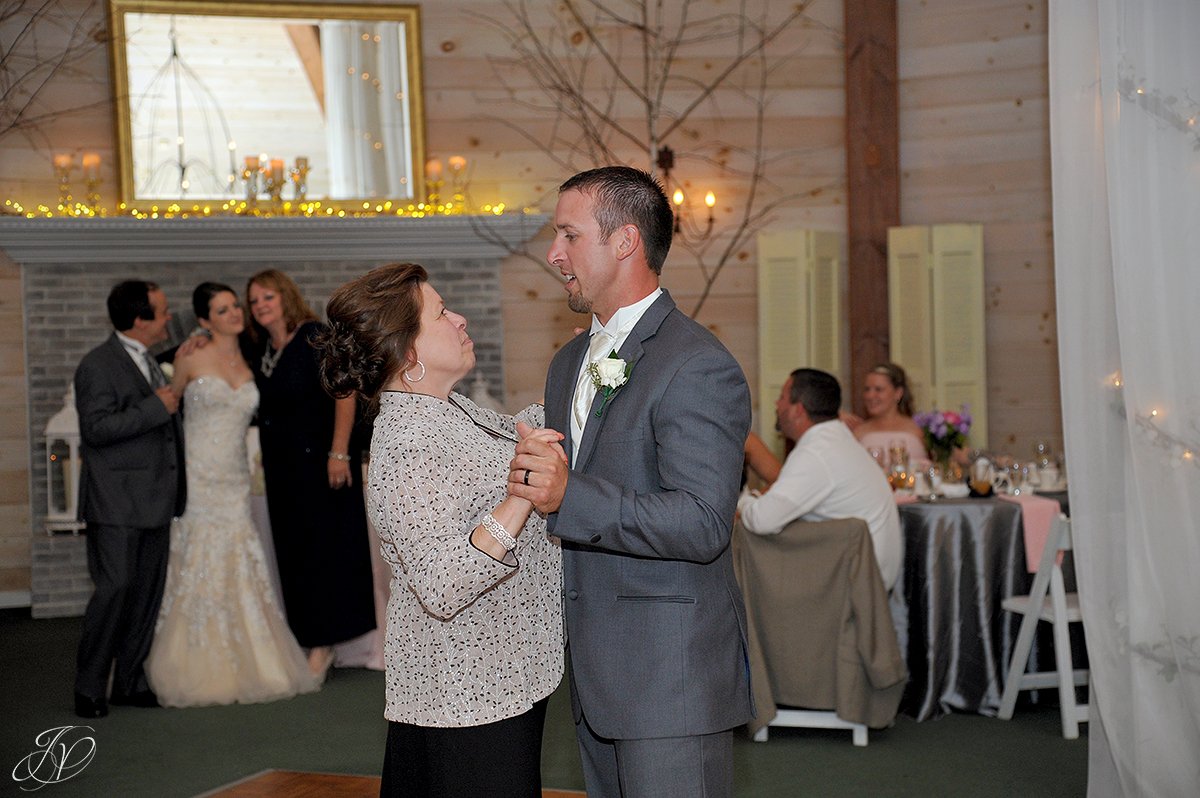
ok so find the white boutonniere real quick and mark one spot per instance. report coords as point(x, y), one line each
point(168, 370)
point(608, 374)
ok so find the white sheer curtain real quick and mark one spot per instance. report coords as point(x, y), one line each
point(1125, 147)
point(367, 119)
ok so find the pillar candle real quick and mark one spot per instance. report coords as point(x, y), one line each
point(91, 166)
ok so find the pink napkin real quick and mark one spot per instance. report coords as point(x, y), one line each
point(904, 498)
point(1037, 516)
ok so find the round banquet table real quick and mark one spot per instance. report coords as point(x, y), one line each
point(962, 558)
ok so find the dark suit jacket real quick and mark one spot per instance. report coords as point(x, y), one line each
point(132, 448)
point(655, 620)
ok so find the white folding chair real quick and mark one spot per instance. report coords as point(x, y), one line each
point(813, 719)
point(1060, 609)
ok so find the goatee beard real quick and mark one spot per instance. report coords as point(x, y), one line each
point(579, 304)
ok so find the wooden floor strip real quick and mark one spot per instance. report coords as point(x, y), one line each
point(295, 784)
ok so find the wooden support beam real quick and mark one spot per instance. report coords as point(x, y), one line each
point(872, 175)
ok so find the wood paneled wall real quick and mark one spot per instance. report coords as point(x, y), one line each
point(974, 148)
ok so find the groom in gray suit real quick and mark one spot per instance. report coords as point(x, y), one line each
point(131, 486)
point(655, 412)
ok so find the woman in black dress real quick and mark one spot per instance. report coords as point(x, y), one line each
point(311, 460)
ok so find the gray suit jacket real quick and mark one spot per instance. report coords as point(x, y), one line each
point(132, 448)
point(655, 621)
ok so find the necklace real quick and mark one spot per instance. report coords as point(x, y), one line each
point(270, 359)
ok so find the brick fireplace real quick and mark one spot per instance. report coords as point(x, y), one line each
point(68, 267)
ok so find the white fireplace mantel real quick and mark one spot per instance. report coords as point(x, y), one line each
point(223, 239)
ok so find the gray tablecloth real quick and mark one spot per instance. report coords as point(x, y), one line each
point(962, 558)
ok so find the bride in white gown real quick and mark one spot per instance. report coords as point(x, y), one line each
point(221, 636)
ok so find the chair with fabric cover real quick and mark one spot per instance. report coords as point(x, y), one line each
point(1048, 601)
point(823, 650)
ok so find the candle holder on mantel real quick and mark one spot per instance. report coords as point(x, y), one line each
point(63, 164)
point(273, 182)
point(458, 167)
point(250, 179)
point(91, 177)
point(433, 182)
point(299, 174)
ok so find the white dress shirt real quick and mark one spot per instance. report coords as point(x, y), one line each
point(137, 353)
point(618, 327)
point(829, 475)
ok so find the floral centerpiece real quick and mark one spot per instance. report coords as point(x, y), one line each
point(944, 432)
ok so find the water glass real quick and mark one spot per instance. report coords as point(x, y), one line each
point(934, 474)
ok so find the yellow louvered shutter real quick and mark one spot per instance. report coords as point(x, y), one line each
point(799, 312)
point(936, 317)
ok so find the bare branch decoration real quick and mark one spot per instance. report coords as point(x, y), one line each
point(616, 80)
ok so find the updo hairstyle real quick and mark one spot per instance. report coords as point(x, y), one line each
point(898, 379)
point(373, 324)
point(203, 295)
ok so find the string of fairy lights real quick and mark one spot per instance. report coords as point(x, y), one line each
point(1152, 425)
point(316, 208)
point(1182, 114)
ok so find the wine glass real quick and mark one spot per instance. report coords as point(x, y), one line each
point(933, 473)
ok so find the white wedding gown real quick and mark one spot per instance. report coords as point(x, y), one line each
point(221, 636)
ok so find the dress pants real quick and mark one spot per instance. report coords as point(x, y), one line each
point(495, 760)
point(129, 569)
point(699, 766)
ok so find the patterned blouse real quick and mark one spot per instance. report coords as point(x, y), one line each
point(470, 639)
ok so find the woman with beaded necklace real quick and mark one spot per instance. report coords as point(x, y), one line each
point(311, 462)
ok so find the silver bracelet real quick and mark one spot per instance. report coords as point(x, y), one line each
point(345, 458)
point(497, 531)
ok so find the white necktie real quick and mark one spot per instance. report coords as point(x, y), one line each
point(585, 391)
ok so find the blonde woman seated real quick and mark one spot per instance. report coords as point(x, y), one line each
point(888, 405)
point(474, 642)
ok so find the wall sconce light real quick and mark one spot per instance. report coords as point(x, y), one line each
point(685, 224)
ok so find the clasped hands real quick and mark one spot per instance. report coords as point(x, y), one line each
point(538, 472)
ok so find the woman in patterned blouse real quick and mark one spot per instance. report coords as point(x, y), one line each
point(474, 642)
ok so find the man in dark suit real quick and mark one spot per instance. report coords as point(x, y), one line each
point(131, 486)
point(656, 412)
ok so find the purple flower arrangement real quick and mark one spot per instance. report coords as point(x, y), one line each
point(944, 430)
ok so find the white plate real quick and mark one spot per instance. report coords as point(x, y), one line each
point(954, 490)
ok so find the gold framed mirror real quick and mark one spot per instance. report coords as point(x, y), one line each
point(260, 101)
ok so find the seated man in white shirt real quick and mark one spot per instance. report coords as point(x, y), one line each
point(828, 475)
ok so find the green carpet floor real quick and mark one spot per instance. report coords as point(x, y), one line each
point(183, 752)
